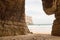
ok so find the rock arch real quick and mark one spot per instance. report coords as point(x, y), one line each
point(12, 17)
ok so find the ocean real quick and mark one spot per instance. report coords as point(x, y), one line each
point(44, 29)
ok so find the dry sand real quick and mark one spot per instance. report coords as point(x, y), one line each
point(31, 37)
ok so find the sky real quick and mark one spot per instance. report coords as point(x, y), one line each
point(34, 8)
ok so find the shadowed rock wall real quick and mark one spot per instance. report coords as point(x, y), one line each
point(12, 18)
point(49, 6)
point(53, 7)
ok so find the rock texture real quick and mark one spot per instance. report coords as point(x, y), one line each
point(49, 6)
point(12, 18)
point(53, 7)
point(56, 24)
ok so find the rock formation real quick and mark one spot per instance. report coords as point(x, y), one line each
point(53, 7)
point(12, 18)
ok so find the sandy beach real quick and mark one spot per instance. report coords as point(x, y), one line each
point(31, 37)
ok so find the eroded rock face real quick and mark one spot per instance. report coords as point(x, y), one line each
point(49, 6)
point(12, 18)
point(47, 3)
point(56, 24)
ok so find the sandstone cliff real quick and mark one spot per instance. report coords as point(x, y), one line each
point(12, 18)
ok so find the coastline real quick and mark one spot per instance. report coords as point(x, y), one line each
point(43, 29)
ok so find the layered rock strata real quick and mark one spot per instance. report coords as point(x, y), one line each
point(12, 18)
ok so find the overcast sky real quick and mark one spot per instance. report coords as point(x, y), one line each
point(34, 8)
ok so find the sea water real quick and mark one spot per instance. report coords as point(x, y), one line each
point(44, 29)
